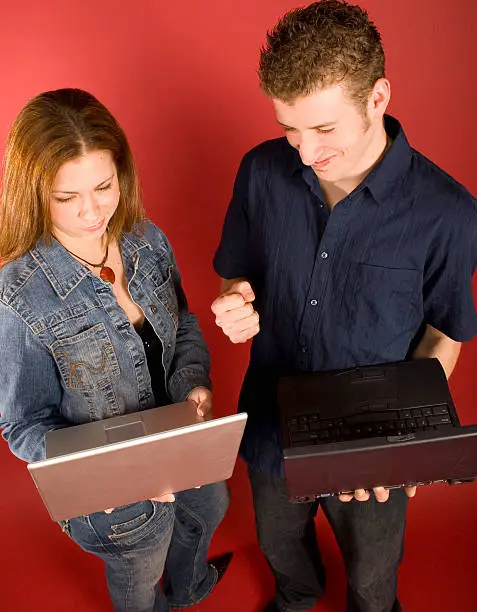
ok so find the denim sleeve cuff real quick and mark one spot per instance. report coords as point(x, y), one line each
point(184, 380)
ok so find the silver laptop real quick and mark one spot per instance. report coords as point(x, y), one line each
point(125, 459)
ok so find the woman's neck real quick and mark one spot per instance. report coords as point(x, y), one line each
point(92, 250)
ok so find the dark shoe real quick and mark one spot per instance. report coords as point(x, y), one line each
point(221, 564)
point(271, 607)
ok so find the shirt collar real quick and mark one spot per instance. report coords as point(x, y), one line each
point(64, 272)
point(390, 169)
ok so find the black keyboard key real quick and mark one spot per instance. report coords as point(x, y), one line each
point(411, 424)
point(421, 422)
point(371, 417)
point(315, 426)
point(439, 420)
point(299, 437)
point(292, 421)
point(324, 435)
point(314, 418)
point(416, 412)
point(440, 409)
point(405, 414)
point(303, 419)
point(427, 412)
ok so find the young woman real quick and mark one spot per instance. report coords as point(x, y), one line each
point(95, 324)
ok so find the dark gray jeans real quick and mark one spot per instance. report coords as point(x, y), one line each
point(370, 536)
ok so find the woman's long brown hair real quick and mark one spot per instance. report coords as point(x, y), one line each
point(54, 127)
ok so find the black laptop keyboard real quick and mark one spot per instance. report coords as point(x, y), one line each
point(308, 429)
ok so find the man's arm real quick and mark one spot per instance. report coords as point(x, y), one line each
point(436, 344)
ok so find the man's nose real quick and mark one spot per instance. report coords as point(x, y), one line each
point(309, 148)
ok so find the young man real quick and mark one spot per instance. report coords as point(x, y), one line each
point(346, 248)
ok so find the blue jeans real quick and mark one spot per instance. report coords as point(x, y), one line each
point(141, 542)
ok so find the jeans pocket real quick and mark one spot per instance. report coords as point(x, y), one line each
point(134, 522)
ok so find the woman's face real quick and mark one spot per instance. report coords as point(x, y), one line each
point(84, 197)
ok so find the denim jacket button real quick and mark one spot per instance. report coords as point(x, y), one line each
point(153, 308)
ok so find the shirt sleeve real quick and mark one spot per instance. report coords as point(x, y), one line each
point(449, 304)
point(30, 392)
point(232, 257)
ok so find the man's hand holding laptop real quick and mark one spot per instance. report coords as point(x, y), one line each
point(380, 493)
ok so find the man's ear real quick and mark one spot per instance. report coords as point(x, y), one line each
point(379, 97)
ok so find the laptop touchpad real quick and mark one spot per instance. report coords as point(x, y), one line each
point(128, 431)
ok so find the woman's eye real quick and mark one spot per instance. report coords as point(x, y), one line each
point(105, 187)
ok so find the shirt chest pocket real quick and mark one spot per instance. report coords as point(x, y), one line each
point(385, 304)
point(87, 361)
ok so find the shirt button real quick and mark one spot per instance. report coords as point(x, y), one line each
point(304, 349)
point(314, 302)
point(324, 255)
point(153, 308)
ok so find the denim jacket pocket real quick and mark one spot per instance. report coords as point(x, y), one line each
point(86, 361)
point(166, 294)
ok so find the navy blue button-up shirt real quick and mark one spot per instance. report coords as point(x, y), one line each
point(353, 286)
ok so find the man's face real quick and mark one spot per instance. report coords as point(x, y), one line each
point(331, 132)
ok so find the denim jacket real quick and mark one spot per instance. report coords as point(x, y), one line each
point(70, 354)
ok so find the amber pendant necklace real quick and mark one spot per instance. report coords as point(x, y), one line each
point(106, 273)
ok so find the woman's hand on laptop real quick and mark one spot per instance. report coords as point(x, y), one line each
point(203, 398)
point(380, 493)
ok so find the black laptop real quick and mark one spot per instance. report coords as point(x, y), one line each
point(382, 425)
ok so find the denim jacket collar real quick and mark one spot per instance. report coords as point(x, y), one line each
point(64, 272)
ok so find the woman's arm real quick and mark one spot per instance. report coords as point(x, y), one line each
point(190, 366)
point(30, 391)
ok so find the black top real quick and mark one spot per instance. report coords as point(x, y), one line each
point(153, 350)
point(352, 287)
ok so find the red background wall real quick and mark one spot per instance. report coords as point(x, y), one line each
point(180, 77)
